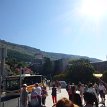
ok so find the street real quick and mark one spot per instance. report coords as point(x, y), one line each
point(49, 103)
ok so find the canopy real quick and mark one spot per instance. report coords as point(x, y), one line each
point(98, 75)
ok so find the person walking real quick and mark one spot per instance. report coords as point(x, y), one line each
point(69, 91)
point(44, 95)
point(24, 96)
point(54, 94)
point(102, 91)
point(34, 98)
point(91, 89)
point(89, 99)
point(38, 90)
point(75, 97)
point(67, 86)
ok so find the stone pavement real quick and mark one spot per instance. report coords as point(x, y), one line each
point(63, 93)
point(49, 102)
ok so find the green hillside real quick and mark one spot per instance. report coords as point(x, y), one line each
point(26, 53)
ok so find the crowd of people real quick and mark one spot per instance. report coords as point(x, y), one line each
point(81, 95)
point(89, 93)
point(37, 97)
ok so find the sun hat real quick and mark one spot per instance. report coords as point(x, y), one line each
point(24, 85)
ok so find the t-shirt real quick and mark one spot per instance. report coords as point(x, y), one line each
point(38, 90)
point(54, 91)
point(92, 90)
point(101, 87)
point(34, 99)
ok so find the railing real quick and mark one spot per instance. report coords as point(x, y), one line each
point(10, 101)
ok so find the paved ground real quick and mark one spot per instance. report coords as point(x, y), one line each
point(63, 93)
point(49, 103)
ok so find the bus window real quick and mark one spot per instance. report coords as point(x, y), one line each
point(12, 85)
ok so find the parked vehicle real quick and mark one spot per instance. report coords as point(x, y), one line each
point(63, 84)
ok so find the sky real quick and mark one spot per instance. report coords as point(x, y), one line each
point(76, 27)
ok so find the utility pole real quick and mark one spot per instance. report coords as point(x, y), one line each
point(2, 70)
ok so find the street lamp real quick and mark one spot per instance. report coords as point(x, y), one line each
point(3, 54)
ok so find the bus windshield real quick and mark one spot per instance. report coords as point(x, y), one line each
point(32, 80)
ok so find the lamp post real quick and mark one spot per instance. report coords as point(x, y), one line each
point(3, 54)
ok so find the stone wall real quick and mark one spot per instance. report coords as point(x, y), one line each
point(100, 66)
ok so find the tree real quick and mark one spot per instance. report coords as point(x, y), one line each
point(61, 77)
point(80, 70)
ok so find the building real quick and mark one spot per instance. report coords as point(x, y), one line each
point(100, 66)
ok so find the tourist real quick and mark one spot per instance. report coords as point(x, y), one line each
point(69, 91)
point(95, 86)
point(85, 88)
point(91, 89)
point(34, 98)
point(102, 91)
point(59, 86)
point(75, 97)
point(54, 94)
point(81, 89)
point(89, 99)
point(67, 86)
point(38, 90)
point(44, 95)
point(24, 96)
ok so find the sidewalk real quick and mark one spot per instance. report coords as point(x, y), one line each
point(49, 102)
point(63, 93)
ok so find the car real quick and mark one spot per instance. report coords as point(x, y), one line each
point(63, 84)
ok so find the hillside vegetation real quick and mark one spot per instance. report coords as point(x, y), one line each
point(26, 53)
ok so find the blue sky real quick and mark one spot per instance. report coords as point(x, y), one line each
point(77, 27)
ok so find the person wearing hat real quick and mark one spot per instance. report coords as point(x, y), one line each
point(24, 96)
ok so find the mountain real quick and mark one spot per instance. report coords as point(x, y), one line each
point(27, 53)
